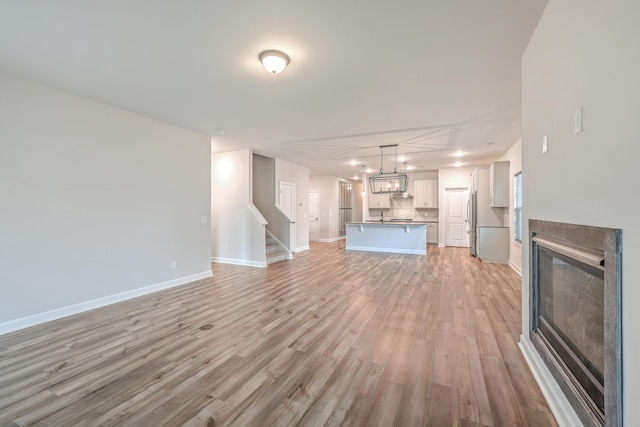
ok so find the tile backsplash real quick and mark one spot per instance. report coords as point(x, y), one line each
point(403, 208)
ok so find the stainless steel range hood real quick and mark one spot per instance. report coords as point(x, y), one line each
point(401, 196)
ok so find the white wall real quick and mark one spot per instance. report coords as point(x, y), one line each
point(96, 204)
point(356, 202)
point(237, 229)
point(327, 187)
point(584, 53)
point(450, 178)
point(514, 157)
point(298, 175)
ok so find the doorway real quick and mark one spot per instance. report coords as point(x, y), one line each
point(455, 217)
point(344, 207)
point(314, 235)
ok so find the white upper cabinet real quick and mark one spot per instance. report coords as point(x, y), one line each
point(499, 185)
point(425, 193)
point(379, 201)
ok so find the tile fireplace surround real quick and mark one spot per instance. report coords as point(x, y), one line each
point(575, 312)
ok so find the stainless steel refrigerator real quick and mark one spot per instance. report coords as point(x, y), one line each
point(479, 211)
point(472, 215)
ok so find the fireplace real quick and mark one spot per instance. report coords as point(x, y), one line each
point(576, 315)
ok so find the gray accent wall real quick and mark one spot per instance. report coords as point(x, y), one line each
point(585, 54)
point(95, 201)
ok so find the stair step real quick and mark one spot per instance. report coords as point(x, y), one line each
point(276, 257)
point(272, 248)
point(274, 251)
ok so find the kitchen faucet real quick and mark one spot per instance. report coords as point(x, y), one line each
point(382, 217)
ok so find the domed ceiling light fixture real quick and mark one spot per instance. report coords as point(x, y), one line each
point(274, 61)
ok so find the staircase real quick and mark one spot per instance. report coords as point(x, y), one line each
point(275, 251)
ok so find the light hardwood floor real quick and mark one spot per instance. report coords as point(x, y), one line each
point(329, 338)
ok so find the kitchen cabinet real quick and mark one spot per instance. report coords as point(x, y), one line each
point(475, 180)
point(432, 233)
point(379, 201)
point(493, 244)
point(425, 193)
point(405, 238)
point(499, 185)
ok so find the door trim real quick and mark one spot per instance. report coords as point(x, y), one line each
point(447, 194)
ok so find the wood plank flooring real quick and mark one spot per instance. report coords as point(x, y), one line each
point(332, 337)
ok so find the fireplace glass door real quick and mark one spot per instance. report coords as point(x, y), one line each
point(570, 318)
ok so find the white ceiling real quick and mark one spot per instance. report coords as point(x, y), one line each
point(434, 76)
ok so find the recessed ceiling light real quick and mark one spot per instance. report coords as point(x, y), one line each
point(352, 162)
point(458, 154)
point(457, 164)
point(274, 61)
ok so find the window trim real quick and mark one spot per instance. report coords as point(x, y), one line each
point(517, 208)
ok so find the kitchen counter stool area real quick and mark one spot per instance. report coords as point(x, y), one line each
point(393, 237)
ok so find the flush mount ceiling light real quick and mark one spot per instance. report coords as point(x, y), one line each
point(274, 61)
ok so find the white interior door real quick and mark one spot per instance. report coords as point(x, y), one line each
point(455, 217)
point(314, 235)
point(287, 204)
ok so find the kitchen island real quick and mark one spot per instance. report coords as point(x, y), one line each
point(394, 237)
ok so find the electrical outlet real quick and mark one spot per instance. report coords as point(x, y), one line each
point(203, 219)
point(174, 265)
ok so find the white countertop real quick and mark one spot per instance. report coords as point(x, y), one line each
point(373, 221)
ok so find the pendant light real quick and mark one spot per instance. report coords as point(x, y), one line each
point(389, 182)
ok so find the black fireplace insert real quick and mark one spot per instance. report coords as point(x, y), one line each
point(576, 316)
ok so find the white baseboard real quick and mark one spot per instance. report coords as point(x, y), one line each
point(441, 245)
point(558, 403)
point(395, 251)
point(303, 248)
point(515, 268)
point(333, 239)
point(59, 313)
point(244, 262)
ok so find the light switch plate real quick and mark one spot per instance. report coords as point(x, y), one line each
point(545, 145)
point(577, 121)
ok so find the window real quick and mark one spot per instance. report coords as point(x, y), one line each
point(517, 207)
point(344, 207)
